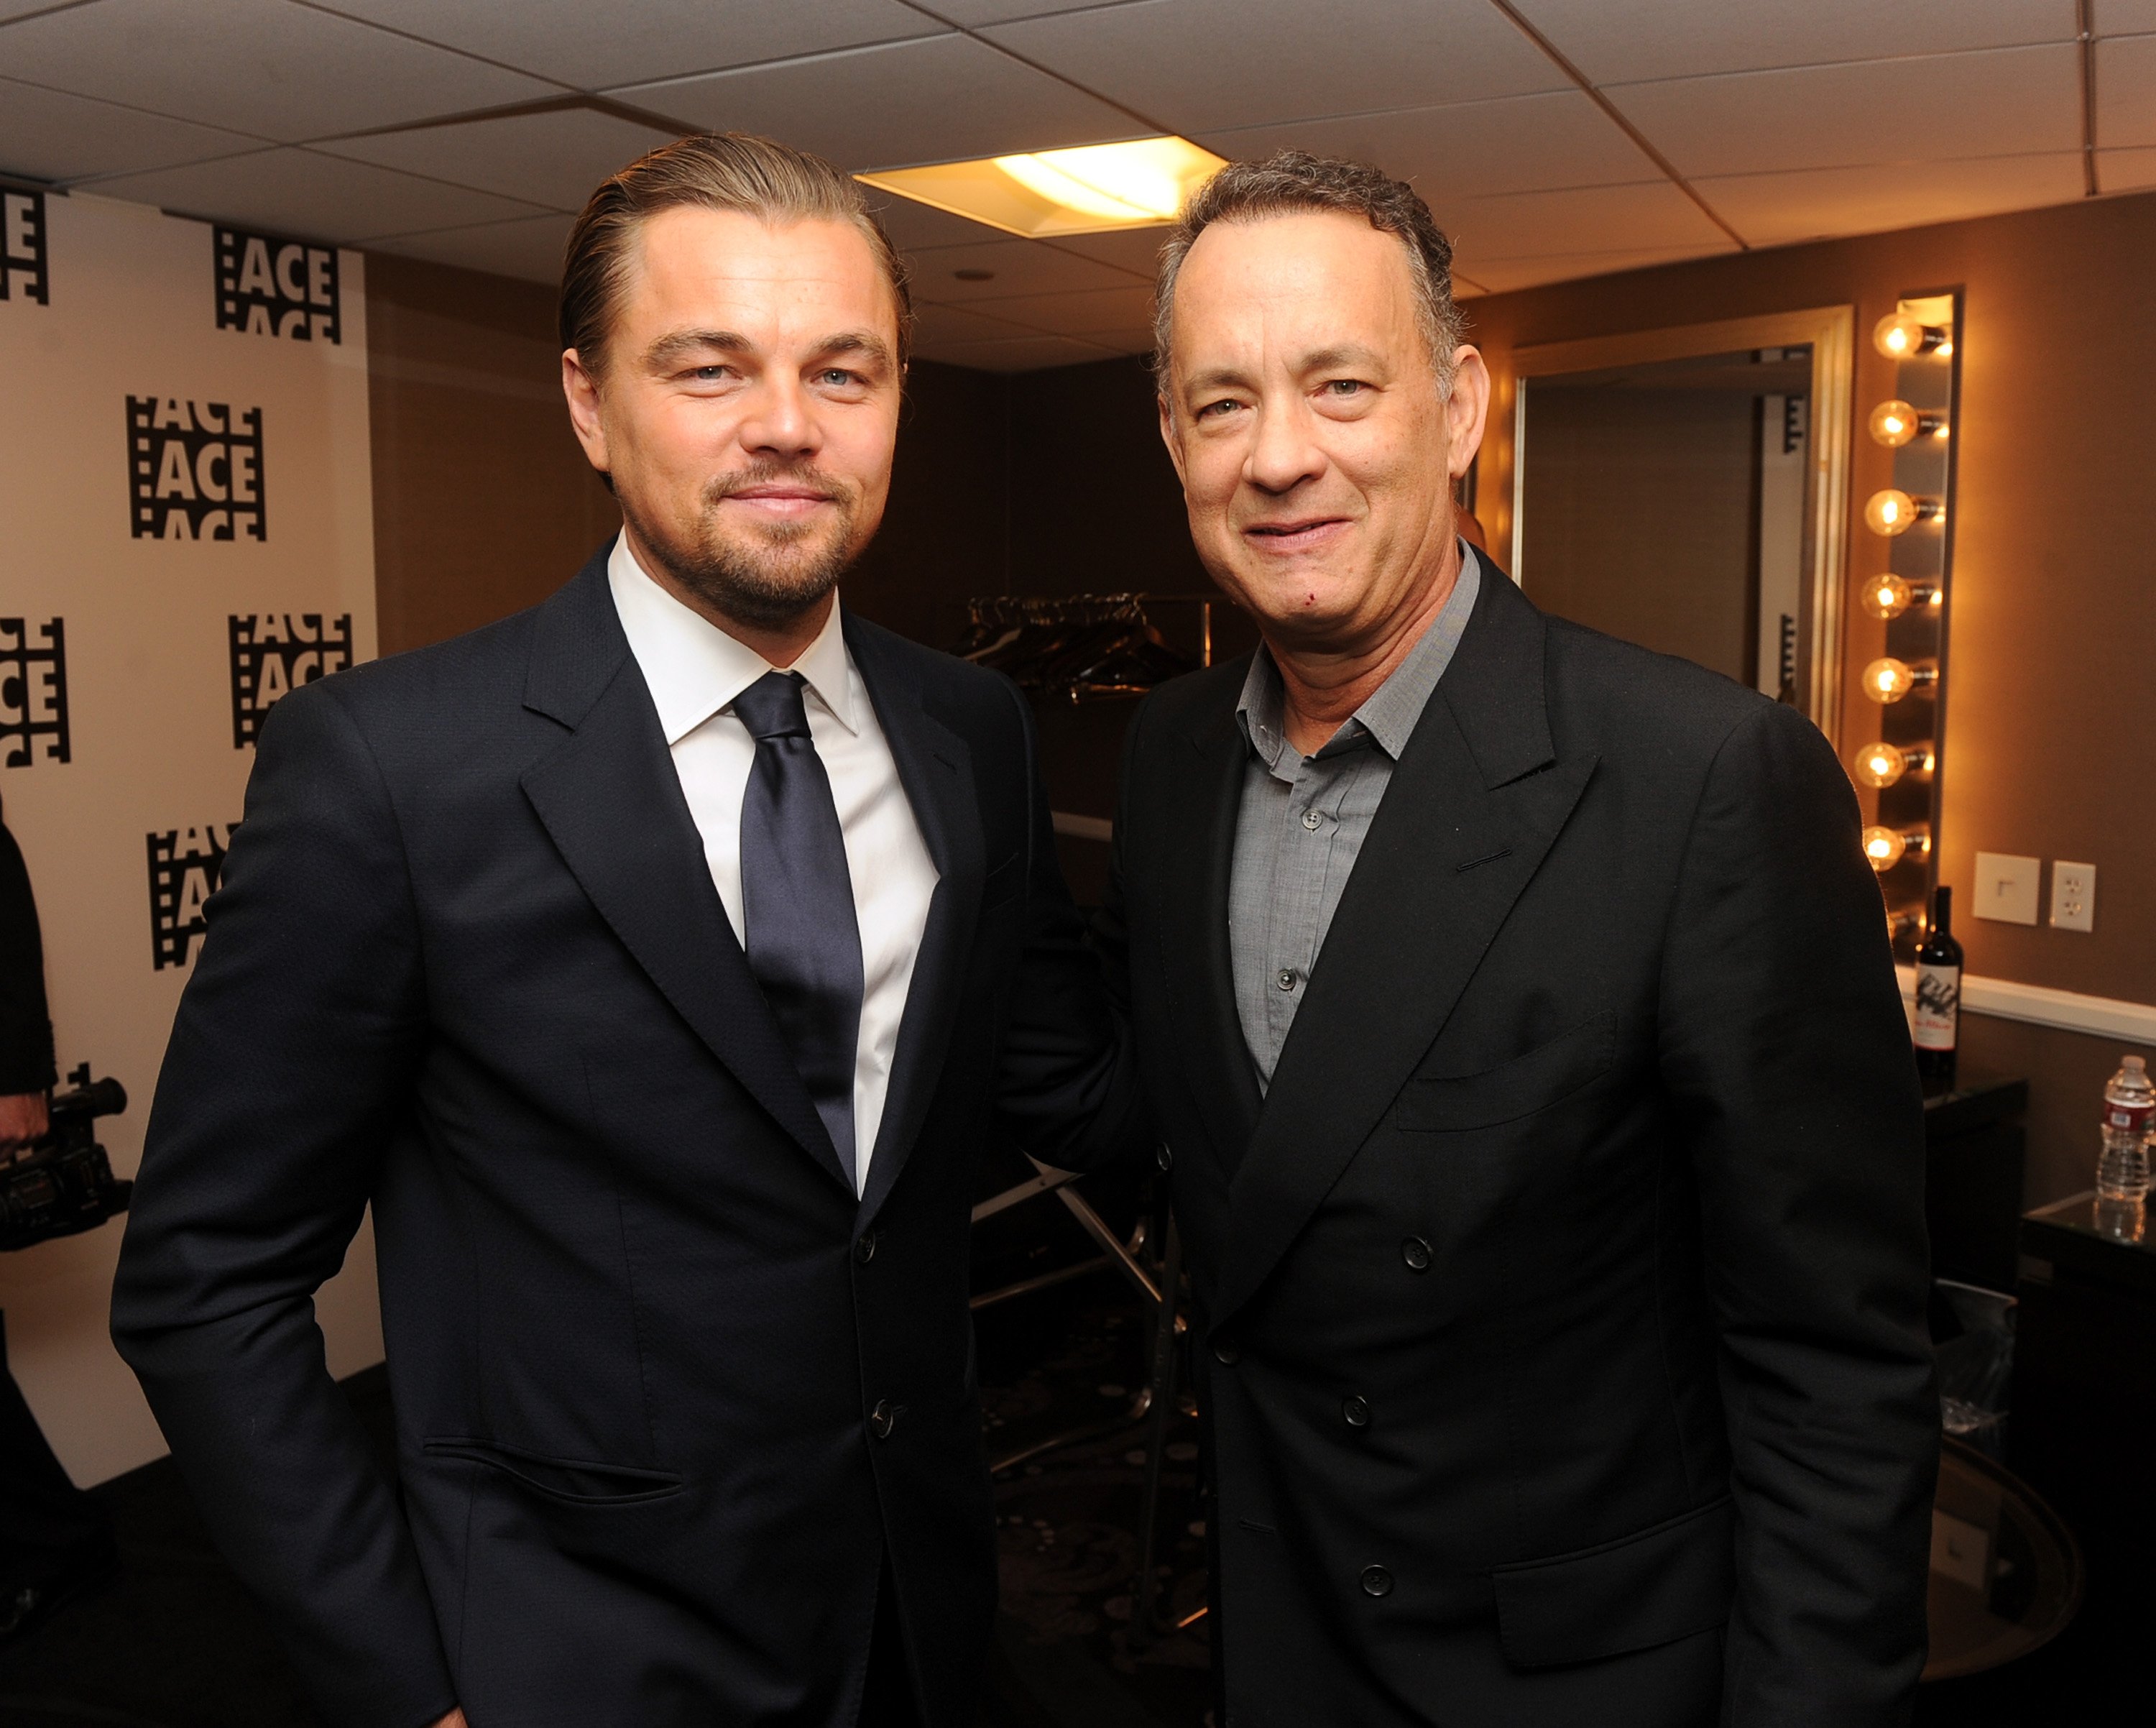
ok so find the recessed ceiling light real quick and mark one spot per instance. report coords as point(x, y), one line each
point(1140, 183)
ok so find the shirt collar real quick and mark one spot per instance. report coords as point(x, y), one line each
point(1389, 714)
point(694, 669)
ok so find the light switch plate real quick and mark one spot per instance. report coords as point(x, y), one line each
point(2006, 887)
point(2073, 896)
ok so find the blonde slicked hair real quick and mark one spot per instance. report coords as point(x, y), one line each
point(712, 171)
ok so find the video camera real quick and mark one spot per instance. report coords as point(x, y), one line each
point(64, 1184)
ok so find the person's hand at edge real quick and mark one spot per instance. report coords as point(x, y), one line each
point(22, 1119)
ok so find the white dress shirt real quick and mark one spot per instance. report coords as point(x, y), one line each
point(695, 670)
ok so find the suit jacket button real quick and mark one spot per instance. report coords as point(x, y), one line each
point(884, 1418)
point(864, 1249)
point(1355, 1410)
point(1417, 1253)
point(1224, 1353)
point(1164, 1158)
point(1377, 1581)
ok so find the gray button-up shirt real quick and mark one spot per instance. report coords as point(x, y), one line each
point(1303, 820)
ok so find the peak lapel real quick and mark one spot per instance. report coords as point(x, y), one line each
point(1476, 801)
point(610, 799)
point(1193, 897)
point(935, 768)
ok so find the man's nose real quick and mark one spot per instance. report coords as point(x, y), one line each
point(1282, 453)
point(782, 420)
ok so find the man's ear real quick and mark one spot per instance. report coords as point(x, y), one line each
point(1167, 436)
point(582, 391)
point(1466, 409)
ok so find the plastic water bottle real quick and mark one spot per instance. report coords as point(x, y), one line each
point(2129, 1102)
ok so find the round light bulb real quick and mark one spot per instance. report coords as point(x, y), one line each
point(1885, 596)
point(1884, 847)
point(1881, 765)
point(1888, 680)
point(1893, 512)
point(1894, 424)
point(1899, 336)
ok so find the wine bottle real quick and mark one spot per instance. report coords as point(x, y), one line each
point(1938, 996)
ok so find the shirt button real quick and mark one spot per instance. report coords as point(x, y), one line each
point(1224, 1353)
point(1417, 1253)
point(1377, 1581)
point(1164, 1158)
point(1311, 820)
point(1355, 1411)
point(864, 1249)
point(883, 1418)
point(1286, 979)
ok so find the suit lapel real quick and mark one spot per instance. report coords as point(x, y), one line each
point(612, 802)
point(1196, 861)
point(935, 769)
point(1477, 799)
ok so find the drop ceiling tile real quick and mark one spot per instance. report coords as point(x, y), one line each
point(596, 47)
point(556, 159)
point(1207, 65)
point(298, 192)
point(2124, 18)
point(939, 327)
point(1680, 38)
point(1015, 267)
point(279, 70)
point(912, 225)
point(2126, 92)
point(973, 13)
point(1603, 219)
point(1025, 354)
point(1999, 101)
point(1508, 276)
point(937, 100)
point(48, 134)
point(1136, 251)
point(1087, 311)
point(530, 247)
point(1516, 144)
point(1781, 209)
point(2125, 170)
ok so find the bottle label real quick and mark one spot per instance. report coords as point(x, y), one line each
point(2132, 1118)
point(1938, 1006)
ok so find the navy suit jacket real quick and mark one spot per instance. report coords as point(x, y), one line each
point(667, 1393)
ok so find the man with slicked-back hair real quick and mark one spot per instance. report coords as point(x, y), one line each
point(655, 963)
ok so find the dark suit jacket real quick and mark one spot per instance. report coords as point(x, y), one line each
point(26, 1034)
point(1566, 1359)
point(468, 964)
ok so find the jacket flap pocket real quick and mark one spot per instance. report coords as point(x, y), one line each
point(1519, 1087)
point(574, 1481)
point(1004, 881)
point(1649, 1588)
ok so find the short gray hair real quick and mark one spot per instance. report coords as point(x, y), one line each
point(1294, 181)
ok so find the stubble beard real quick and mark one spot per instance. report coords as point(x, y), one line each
point(769, 577)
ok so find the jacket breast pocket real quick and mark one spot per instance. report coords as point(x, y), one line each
point(1433, 1103)
point(568, 1481)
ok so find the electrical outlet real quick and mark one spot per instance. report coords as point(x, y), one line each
point(2006, 887)
point(2073, 896)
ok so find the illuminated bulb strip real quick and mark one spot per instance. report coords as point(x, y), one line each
point(1885, 847)
point(1899, 336)
point(1883, 765)
point(1891, 512)
point(1888, 680)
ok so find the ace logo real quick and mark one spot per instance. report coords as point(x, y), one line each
point(23, 245)
point(33, 711)
point(273, 653)
point(267, 287)
point(186, 865)
point(198, 469)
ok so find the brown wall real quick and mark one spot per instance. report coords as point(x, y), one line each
point(483, 503)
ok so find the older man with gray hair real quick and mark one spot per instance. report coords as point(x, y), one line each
point(1517, 1008)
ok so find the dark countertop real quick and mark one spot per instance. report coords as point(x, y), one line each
point(1975, 1101)
point(2070, 1235)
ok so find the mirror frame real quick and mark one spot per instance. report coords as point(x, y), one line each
point(1830, 333)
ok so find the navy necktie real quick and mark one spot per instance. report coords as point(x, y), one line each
point(803, 941)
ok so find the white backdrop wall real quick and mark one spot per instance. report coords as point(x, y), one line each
point(184, 479)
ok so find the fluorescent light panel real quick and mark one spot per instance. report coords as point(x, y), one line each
point(1093, 189)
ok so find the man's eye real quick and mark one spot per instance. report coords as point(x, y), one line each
point(708, 374)
point(1213, 410)
point(838, 376)
point(1346, 386)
